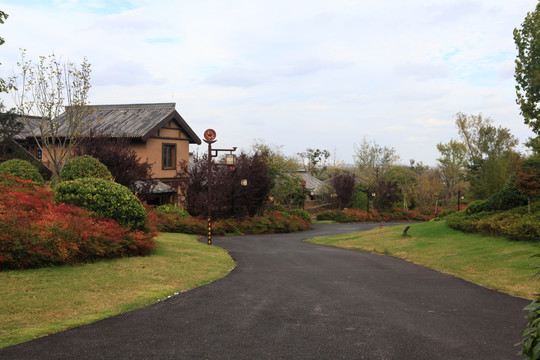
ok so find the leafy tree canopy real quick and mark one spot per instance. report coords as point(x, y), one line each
point(528, 68)
point(372, 160)
point(314, 160)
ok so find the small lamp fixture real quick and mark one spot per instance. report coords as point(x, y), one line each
point(230, 159)
point(243, 182)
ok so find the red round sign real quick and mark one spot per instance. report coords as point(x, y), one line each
point(210, 135)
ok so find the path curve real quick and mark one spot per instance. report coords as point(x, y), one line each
point(288, 299)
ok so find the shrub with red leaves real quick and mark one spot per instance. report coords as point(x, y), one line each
point(35, 232)
point(356, 215)
point(273, 222)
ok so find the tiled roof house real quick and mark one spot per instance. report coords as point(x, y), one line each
point(157, 133)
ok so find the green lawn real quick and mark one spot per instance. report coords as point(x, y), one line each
point(495, 263)
point(43, 301)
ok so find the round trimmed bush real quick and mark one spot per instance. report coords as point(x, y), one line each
point(22, 169)
point(476, 207)
point(300, 213)
point(506, 199)
point(84, 167)
point(103, 198)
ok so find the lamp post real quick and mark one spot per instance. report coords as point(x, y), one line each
point(367, 198)
point(303, 193)
point(459, 197)
point(230, 161)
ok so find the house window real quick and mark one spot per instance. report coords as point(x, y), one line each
point(169, 156)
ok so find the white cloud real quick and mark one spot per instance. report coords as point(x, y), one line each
point(395, 71)
point(431, 122)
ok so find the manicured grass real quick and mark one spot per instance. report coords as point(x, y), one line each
point(44, 301)
point(495, 263)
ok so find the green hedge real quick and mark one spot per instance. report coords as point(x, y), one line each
point(22, 169)
point(515, 224)
point(506, 199)
point(104, 198)
point(172, 209)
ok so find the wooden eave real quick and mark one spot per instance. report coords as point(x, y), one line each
point(193, 138)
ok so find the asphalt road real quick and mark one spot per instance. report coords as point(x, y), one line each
point(288, 299)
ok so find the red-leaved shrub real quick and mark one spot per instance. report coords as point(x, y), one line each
point(35, 232)
point(273, 222)
point(356, 215)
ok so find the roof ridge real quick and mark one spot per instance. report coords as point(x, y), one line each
point(136, 106)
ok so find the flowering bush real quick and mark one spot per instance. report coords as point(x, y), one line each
point(34, 232)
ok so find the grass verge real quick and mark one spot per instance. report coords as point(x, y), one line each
point(492, 262)
point(44, 301)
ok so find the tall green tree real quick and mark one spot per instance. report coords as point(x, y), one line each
point(373, 160)
point(527, 39)
point(47, 90)
point(451, 164)
point(427, 188)
point(405, 178)
point(491, 158)
point(528, 178)
point(285, 182)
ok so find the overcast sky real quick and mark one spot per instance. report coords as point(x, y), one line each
point(292, 73)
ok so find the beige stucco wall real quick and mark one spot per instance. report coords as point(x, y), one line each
point(152, 150)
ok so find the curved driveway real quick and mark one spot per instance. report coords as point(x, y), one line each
point(288, 299)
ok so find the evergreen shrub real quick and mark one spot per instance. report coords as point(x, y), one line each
point(21, 169)
point(104, 198)
point(506, 199)
point(301, 213)
point(84, 167)
point(476, 207)
point(172, 209)
point(515, 224)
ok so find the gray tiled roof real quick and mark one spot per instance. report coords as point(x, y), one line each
point(32, 122)
point(133, 120)
point(312, 183)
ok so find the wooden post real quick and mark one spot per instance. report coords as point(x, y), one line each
point(405, 231)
